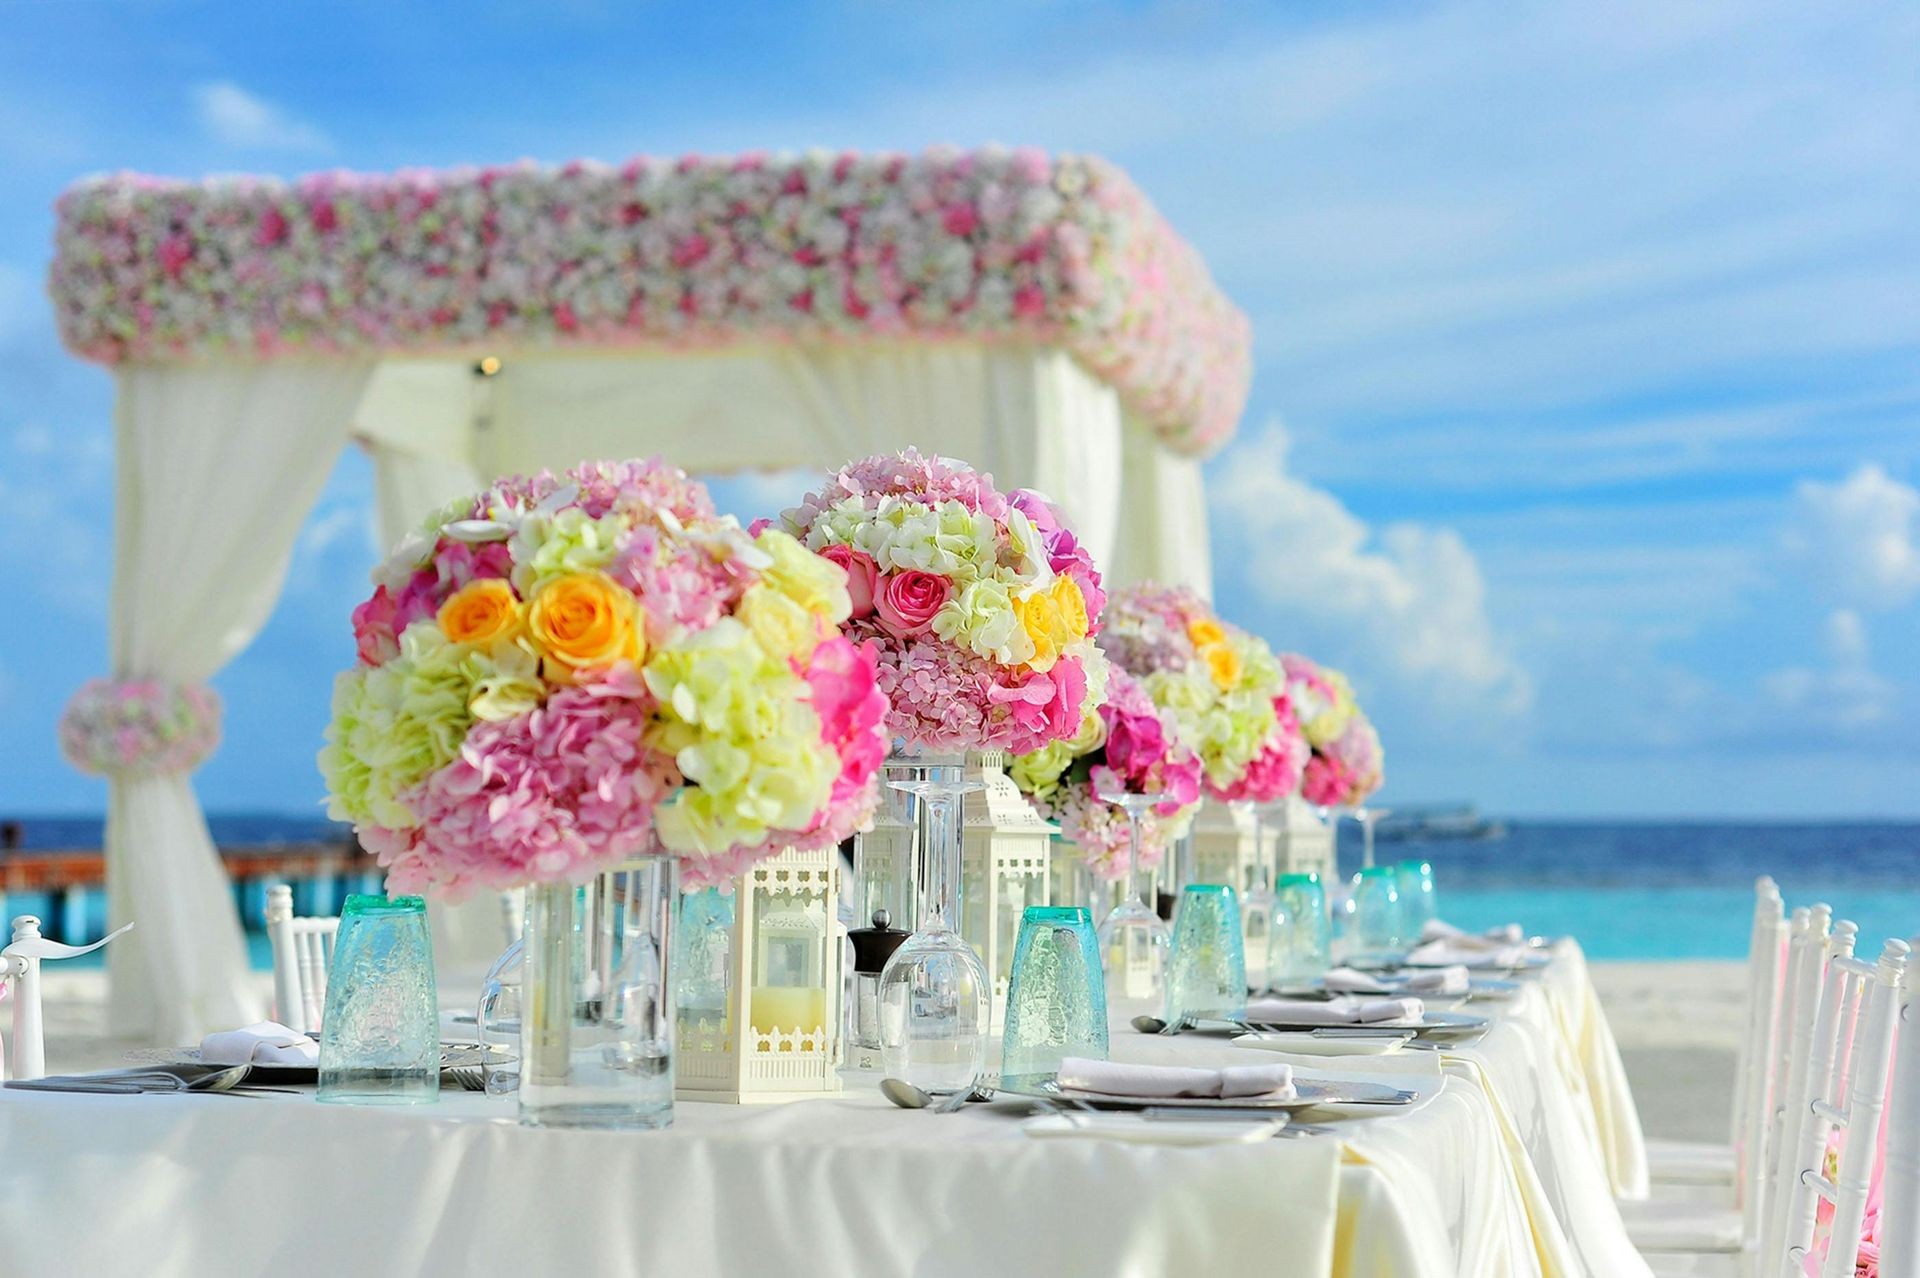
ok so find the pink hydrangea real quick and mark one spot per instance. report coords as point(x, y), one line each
point(557, 795)
point(846, 695)
point(908, 473)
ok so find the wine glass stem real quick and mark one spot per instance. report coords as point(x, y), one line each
point(940, 884)
point(1262, 864)
point(1366, 839)
point(1135, 888)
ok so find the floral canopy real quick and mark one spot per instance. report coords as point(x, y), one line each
point(1033, 315)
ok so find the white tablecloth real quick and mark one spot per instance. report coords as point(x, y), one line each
point(1504, 1171)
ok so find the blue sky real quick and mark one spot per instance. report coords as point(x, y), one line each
point(1583, 425)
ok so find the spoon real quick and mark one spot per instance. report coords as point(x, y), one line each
point(907, 1096)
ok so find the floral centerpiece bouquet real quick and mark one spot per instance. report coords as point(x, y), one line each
point(1127, 744)
point(1223, 688)
point(1347, 764)
point(983, 607)
point(562, 673)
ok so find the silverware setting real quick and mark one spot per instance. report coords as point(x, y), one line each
point(907, 1096)
point(216, 1082)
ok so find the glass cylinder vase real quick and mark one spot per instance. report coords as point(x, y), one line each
point(596, 1012)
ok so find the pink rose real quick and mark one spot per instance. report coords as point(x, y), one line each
point(863, 576)
point(906, 601)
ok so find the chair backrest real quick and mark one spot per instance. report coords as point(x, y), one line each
point(1804, 1139)
point(302, 953)
point(1799, 1005)
point(1864, 1015)
point(1900, 1190)
point(1754, 1086)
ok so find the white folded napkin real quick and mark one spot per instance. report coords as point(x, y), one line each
point(262, 1043)
point(1473, 953)
point(1337, 1011)
point(1443, 981)
point(1163, 1082)
point(1437, 930)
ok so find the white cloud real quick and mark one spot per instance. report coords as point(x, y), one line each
point(237, 118)
point(1844, 697)
point(1856, 540)
point(1407, 601)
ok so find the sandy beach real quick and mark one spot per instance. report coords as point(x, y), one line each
point(1677, 1023)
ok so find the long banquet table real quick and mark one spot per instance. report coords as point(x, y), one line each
point(1509, 1167)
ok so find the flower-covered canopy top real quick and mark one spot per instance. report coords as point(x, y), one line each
point(991, 245)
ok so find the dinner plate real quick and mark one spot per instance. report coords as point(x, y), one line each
point(1308, 1092)
point(1477, 987)
point(452, 1056)
point(1430, 1023)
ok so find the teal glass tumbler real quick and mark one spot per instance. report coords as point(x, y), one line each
point(1303, 950)
point(1057, 998)
point(1207, 978)
point(1377, 937)
point(380, 1033)
point(1418, 905)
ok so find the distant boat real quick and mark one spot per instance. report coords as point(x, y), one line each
point(1425, 824)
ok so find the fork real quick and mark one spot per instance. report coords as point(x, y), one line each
point(470, 1078)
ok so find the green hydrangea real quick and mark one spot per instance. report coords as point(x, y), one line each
point(547, 546)
point(393, 724)
point(736, 721)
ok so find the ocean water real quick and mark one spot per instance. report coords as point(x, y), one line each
point(1627, 890)
point(1667, 890)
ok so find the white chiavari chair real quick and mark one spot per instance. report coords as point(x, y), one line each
point(1806, 972)
point(302, 953)
point(1683, 1232)
point(1900, 1193)
point(20, 981)
point(1717, 1164)
point(1860, 1011)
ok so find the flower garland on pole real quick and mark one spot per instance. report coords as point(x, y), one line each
point(125, 728)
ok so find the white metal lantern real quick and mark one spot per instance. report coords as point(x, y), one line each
point(1298, 838)
point(1302, 839)
point(759, 983)
point(1004, 859)
point(1224, 850)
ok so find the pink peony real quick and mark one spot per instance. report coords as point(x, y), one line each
point(1045, 707)
point(906, 601)
point(374, 636)
point(852, 710)
point(863, 576)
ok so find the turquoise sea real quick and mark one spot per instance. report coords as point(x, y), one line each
point(1668, 890)
point(1627, 889)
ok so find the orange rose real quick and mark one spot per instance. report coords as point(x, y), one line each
point(1205, 632)
point(480, 612)
point(1223, 663)
point(584, 621)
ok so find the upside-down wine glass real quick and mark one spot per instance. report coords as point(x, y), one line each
point(934, 993)
point(1261, 916)
point(1135, 945)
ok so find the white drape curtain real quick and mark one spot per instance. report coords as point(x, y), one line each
point(1033, 417)
point(218, 466)
point(1163, 521)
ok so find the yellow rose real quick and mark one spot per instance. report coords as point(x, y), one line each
point(584, 621)
point(1223, 663)
point(1073, 607)
point(1205, 632)
point(1049, 625)
point(480, 612)
point(784, 626)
